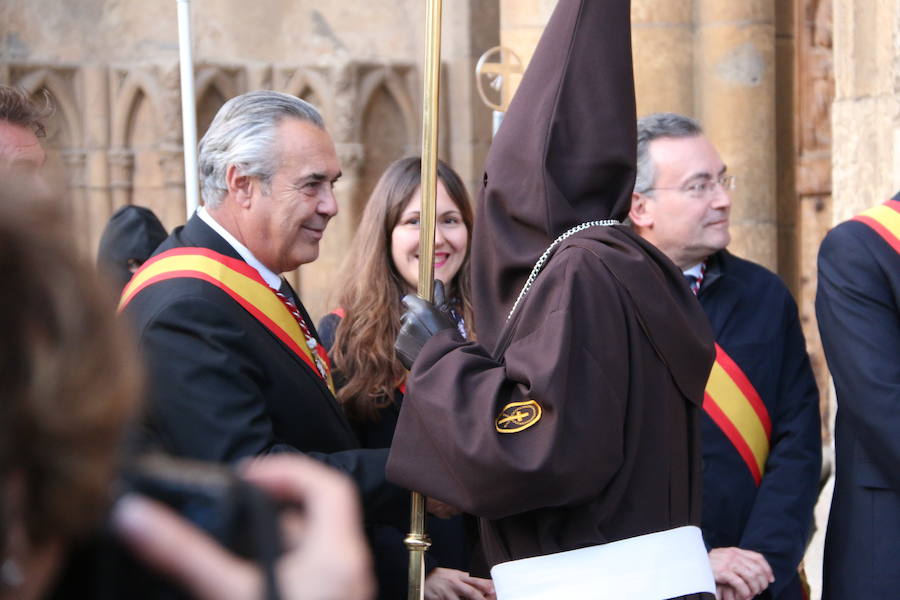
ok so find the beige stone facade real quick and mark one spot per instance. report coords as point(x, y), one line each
point(111, 67)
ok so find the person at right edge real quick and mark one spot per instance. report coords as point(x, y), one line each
point(858, 309)
point(574, 422)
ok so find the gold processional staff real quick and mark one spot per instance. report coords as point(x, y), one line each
point(417, 541)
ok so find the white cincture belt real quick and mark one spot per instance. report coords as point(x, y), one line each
point(655, 566)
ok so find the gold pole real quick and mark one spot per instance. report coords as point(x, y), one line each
point(417, 541)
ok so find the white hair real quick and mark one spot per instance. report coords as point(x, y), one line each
point(243, 134)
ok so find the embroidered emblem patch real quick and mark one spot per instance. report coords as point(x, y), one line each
point(516, 416)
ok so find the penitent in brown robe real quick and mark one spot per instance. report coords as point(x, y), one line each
point(609, 342)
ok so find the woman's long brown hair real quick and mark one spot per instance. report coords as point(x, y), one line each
point(370, 290)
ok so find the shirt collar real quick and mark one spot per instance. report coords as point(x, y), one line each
point(696, 271)
point(273, 280)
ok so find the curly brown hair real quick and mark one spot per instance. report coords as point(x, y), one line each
point(68, 372)
point(370, 290)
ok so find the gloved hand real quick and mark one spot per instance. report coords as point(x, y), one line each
point(421, 320)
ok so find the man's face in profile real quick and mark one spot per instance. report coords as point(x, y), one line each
point(20, 151)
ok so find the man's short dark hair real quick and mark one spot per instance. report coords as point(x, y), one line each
point(18, 108)
point(653, 127)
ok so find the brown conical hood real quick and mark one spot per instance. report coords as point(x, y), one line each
point(565, 153)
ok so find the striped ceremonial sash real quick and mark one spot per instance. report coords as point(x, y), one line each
point(240, 281)
point(885, 220)
point(735, 406)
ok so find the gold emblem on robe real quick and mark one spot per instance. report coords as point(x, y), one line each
point(516, 416)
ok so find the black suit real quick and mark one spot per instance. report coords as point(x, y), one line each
point(858, 308)
point(223, 387)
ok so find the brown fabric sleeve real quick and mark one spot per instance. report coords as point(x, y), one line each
point(446, 444)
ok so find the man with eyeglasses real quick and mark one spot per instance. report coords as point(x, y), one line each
point(760, 424)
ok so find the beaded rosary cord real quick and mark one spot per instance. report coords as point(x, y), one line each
point(543, 259)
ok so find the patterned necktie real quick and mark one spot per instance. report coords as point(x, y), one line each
point(693, 282)
point(284, 293)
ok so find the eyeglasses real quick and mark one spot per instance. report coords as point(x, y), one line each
point(703, 188)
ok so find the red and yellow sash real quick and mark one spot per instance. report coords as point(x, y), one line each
point(735, 406)
point(885, 220)
point(240, 281)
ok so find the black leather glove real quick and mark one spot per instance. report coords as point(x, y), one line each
point(421, 320)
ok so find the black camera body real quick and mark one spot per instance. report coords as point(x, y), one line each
point(237, 514)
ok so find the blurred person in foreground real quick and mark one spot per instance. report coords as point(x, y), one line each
point(325, 554)
point(382, 265)
point(762, 450)
point(71, 381)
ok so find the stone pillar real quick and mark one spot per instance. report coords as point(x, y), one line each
point(521, 25)
point(171, 166)
point(865, 132)
point(96, 112)
point(812, 150)
point(121, 173)
point(734, 57)
point(663, 49)
point(787, 203)
point(470, 29)
point(74, 163)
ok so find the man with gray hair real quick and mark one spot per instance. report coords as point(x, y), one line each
point(236, 368)
point(760, 423)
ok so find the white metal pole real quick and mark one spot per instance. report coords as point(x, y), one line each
point(188, 108)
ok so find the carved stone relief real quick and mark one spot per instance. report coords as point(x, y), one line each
point(369, 109)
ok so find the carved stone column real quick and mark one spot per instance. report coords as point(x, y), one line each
point(170, 152)
point(171, 165)
point(815, 94)
point(734, 56)
point(96, 141)
point(74, 162)
point(663, 47)
point(121, 172)
point(471, 28)
point(521, 24)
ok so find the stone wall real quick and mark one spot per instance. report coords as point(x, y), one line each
point(866, 136)
point(112, 70)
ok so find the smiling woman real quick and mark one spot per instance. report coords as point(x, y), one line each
point(451, 239)
point(382, 266)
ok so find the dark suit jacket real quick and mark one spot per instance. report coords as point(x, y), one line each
point(858, 308)
point(222, 387)
point(755, 321)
